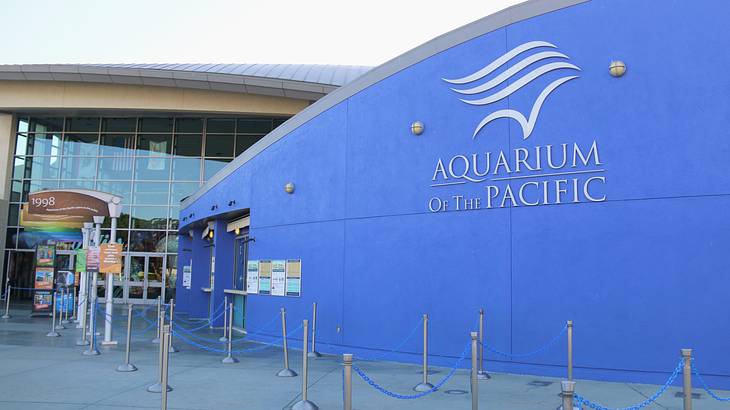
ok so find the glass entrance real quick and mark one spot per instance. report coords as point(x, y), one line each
point(144, 277)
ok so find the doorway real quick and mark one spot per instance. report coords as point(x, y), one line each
point(143, 278)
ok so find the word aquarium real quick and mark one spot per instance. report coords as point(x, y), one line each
point(544, 175)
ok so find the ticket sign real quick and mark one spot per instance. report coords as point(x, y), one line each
point(110, 258)
point(92, 259)
point(265, 277)
point(294, 277)
point(252, 277)
point(278, 278)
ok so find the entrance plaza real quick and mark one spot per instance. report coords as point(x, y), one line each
point(40, 372)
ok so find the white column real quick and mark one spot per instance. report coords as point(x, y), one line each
point(109, 308)
point(83, 285)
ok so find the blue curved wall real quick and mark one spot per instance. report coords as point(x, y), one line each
point(640, 269)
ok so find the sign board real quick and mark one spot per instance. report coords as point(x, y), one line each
point(278, 278)
point(187, 279)
point(80, 260)
point(68, 203)
point(45, 256)
point(111, 258)
point(265, 277)
point(294, 277)
point(252, 277)
point(92, 259)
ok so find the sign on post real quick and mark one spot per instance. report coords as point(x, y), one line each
point(92, 259)
point(111, 258)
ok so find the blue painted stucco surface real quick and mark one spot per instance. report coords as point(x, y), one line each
point(642, 274)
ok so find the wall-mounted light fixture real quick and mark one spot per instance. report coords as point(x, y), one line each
point(289, 187)
point(214, 207)
point(211, 233)
point(417, 128)
point(617, 68)
point(238, 231)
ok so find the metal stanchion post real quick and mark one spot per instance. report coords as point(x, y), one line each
point(92, 344)
point(73, 307)
point(424, 385)
point(570, 350)
point(157, 386)
point(687, 378)
point(474, 372)
point(230, 359)
point(286, 371)
point(481, 374)
point(159, 326)
point(8, 289)
point(314, 352)
point(166, 341)
point(225, 320)
point(568, 391)
point(347, 361)
point(304, 403)
point(126, 366)
point(83, 341)
point(173, 349)
point(53, 332)
point(64, 304)
point(56, 307)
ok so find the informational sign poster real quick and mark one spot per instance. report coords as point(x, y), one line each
point(265, 277)
point(187, 276)
point(294, 277)
point(110, 258)
point(80, 260)
point(278, 277)
point(44, 255)
point(252, 277)
point(44, 275)
point(92, 259)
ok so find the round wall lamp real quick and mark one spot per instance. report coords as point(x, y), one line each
point(211, 233)
point(617, 68)
point(417, 128)
point(289, 187)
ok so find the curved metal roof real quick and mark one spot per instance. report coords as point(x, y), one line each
point(301, 81)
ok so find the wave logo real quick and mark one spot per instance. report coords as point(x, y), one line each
point(489, 86)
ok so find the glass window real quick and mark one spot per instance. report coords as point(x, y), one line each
point(23, 124)
point(147, 241)
point(82, 124)
point(81, 144)
point(180, 190)
point(220, 126)
point(213, 166)
point(153, 168)
point(243, 142)
point(37, 185)
point(118, 125)
point(119, 188)
point(122, 236)
point(171, 243)
point(188, 145)
point(15, 191)
point(78, 168)
point(44, 144)
point(149, 217)
point(254, 125)
point(173, 215)
point(192, 125)
point(122, 221)
point(46, 124)
point(21, 144)
point(186, 169)
point(278, 121)
point(77, 184)
point(219, 145)
point(19, 167)
point(10, 238)
point(42, 167)
point(115, 168)
point(13, 212)
point(117, 145)
point(155, 125)
point(151, 193)
point(154, 145)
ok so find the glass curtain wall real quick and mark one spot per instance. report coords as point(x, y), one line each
point(151, 162)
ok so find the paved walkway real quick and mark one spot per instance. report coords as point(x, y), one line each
point(39, 372)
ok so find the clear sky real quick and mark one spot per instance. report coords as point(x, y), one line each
point(217, 31)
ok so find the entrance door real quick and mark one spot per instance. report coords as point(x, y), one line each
point(144, 277)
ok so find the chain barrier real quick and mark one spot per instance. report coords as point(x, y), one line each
point(207, 324)
point(110, 319)
point(217, 312)
point(264, 345)
point(537, 351)
point(437, 386)
point(705, 386)
point(580, 400)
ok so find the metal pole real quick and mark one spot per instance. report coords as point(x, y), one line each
point(92, 344)
point(424, 385)
point(65, 303)
point(83, 341)
point(474, 372)
point(225, 320)
point(286, 371)
point(314, 352)
point(347, 359)
point(165, 363)
point(109, 307)
point(304, 404)
point(126, 366)
point(568, 388)
point(230, 358)
point(53, 332)
point(157, 387)
point(570, 350)
point(56, 307)
point(173, 349)
point(8, 289)
point(481, 373)
point(84, 279)
point(93, 300)
point(159, 314)
point(687, 378)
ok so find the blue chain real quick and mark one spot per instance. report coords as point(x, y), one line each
point(705, 386)
point(217, 311)
point(580, 400)
point(389, 393)
point(275, 343)
point(532, 353)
